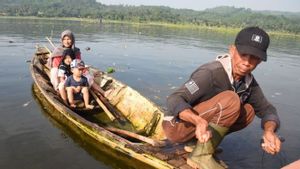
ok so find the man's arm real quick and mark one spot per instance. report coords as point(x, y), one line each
point(269, 119)
point(271, 142)
point(262, 107)
point(202, 133)
point(198, 86)
point(181, 101)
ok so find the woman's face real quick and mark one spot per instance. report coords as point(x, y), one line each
point(67, 42)
point(68, 60)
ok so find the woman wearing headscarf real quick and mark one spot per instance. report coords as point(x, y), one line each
point(67, 42)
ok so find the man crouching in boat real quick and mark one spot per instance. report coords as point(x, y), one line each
point(77, 85)
point(222, 97)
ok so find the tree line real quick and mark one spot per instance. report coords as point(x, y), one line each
point(217, 17)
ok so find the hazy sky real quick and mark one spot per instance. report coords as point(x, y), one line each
point(278, 5)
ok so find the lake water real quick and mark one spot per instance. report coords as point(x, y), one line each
point(154, 60)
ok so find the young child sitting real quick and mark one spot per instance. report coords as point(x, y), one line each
point(77, 84)
point(64, 71)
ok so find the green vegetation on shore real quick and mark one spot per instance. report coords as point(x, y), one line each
point(176, 26)
point(220, 18)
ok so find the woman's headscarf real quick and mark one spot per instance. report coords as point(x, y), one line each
point(58, 51)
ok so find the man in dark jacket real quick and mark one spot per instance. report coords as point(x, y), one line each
point(222, 97)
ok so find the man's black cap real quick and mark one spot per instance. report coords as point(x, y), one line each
point(253, 41)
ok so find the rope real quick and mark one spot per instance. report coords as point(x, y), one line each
point(213, 109)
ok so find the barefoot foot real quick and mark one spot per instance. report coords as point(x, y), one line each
point(72, 105)
point(89, 106)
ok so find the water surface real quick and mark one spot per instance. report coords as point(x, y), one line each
point(154, 60)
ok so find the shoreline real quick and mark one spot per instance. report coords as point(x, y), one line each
point(165, 24)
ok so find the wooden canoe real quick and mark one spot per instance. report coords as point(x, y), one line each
point(142, 117)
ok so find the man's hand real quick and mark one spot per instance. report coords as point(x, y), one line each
point(202, 133)
point(271, 142)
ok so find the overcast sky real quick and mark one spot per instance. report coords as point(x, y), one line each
point(277, 5)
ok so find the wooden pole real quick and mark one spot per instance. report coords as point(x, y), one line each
point(49, 40)
point(102, 105)
point(136, 136)
point(110, 107)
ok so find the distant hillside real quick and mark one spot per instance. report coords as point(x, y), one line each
point(222, 16)
point(292, 15)
point(50, 8)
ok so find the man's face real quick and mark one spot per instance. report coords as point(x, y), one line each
point(242, 64)
point(67, 42)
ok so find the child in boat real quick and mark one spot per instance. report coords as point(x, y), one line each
point(77, 85)
point(64, 71)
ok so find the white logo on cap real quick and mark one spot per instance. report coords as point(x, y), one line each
point(256, 38)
